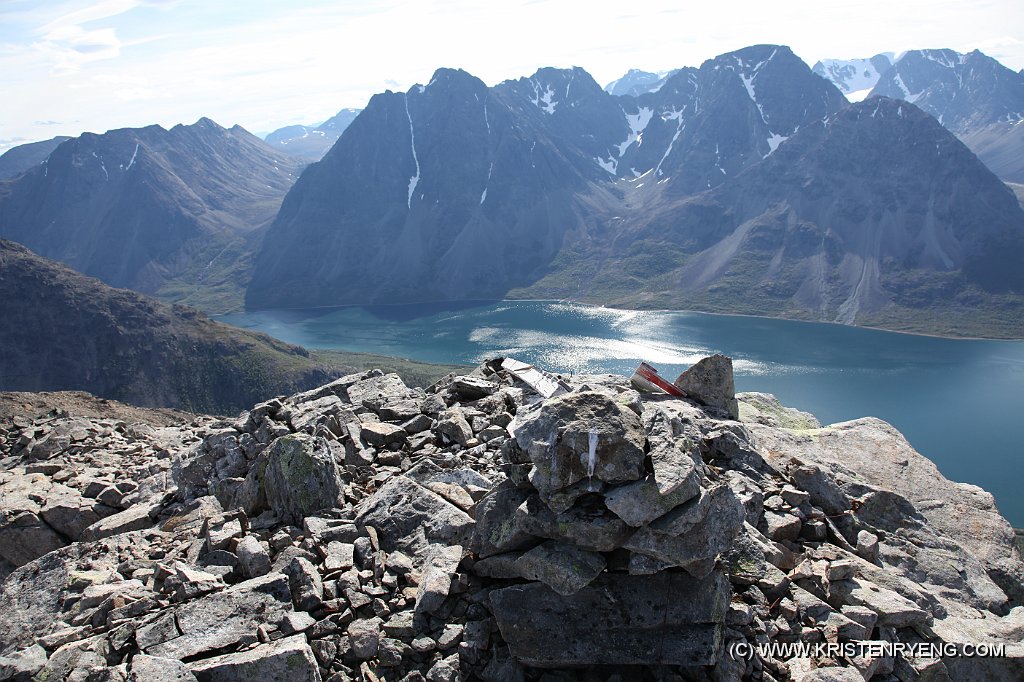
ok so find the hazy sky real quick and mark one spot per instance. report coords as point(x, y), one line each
point(68, 66)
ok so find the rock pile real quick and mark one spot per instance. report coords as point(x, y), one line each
point(475, 530)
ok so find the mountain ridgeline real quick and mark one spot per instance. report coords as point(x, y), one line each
point(972, 95)
point(748, 185)
point(71, 332)
point(174, 212)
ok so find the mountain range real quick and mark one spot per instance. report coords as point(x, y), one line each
point(747, 185)
point(974, 96)
point(175, 213)
point(310, 143)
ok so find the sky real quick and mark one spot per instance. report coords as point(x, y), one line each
point(72, 66)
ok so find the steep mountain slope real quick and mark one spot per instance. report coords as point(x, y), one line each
point(17, 160)
point(973, 95)
point(168, 212)
point(424, 183)
point(71, 332)
point(310, 143)
point(878, 216)
point(855, 77)
point(963, 91)
point(636, 82)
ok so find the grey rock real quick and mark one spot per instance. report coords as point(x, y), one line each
point(616, 620)
point(376, 391)
point(293, 623)
point(25, 537)
point(782, 526)
point(673, 456)
point(380, 434)
point(364, 636)
point(588, 524)
point(305, 584)
point(21, 666)
point(138, 517)
point(409, 518)
point(436, 580)
point(640, 502)
point(711, 382)
point(694, 536)
point(453, 426)
point(472, 388)
point(892, 608)
point(229, 617)
point(253, 557)
point(301, 477)
point(286, 660)
point(557, 438)
point(340, 556)
point(155, 669)
point(564, 568)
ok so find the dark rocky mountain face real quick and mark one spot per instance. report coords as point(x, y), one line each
point(310, 143)
point(65, 331)
point(419, 186)
point(964, 92)
point(425, 182)
point(159, 211)
point(973, 95)
point(17, 160)
point(876, 216)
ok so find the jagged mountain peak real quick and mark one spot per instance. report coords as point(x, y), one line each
point(637, 82)
point(855, 77)
point(965, 92)
point(448, 78)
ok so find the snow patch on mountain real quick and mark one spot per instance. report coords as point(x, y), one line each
point(637, 125)
point(415, 179)
point(545, 101)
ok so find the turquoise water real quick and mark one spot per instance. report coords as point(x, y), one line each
point(959, 402)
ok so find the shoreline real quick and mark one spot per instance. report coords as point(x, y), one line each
point(470, 302)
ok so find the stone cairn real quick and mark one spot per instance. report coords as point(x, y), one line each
point(608, 509)
point(370, 531)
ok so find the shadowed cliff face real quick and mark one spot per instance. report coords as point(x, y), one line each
point(158, 211)
point(65, 331)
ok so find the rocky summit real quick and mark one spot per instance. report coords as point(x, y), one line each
point(477, 530)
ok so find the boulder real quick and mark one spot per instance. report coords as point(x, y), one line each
point(711, 382)
point(588, 524)
point(436, 578)
point(582, 435)
point(563, 567)
point(496, 530)
point(286, 660)
point(305, 584)
point(253, 557)
point(21, 666)
point(155, 669)
point(409, 518)
point(615, 620)
point(227, 618)
point(301, 477)
point(640, 502)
